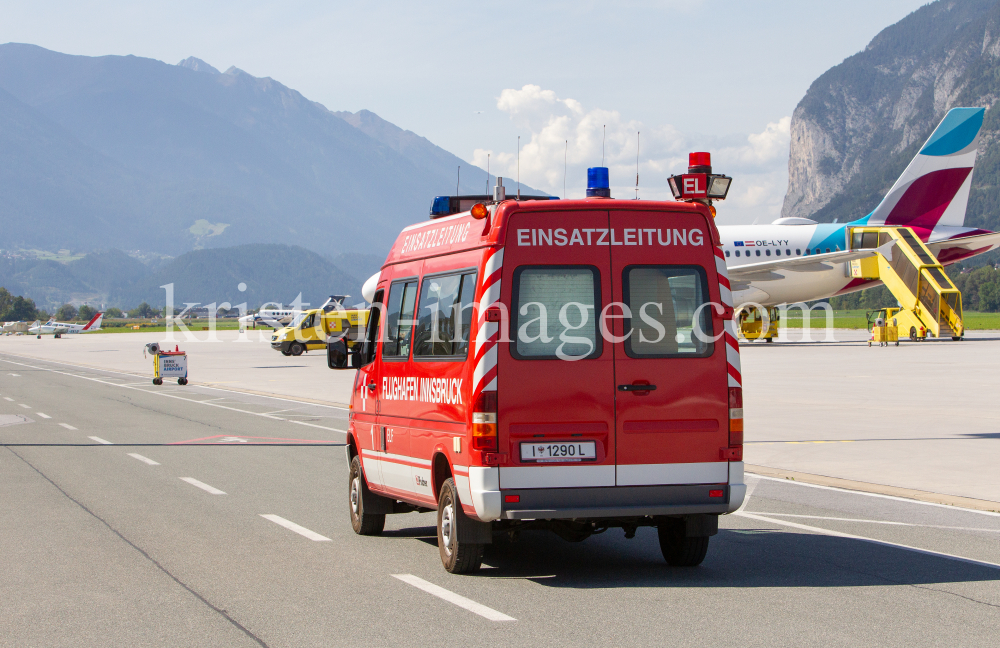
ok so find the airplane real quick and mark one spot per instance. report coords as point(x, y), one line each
point(278, 318)
point(797, 259)
point(58, 329)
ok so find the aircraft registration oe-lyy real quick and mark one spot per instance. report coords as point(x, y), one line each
point(58, 329)
point(797, 259)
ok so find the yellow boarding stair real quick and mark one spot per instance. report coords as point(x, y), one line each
point(930, 303)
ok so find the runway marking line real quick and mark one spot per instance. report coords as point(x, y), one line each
point(886, 522)
point(146, 460)
point(67, 426)
point(189, 400)
point(8, 398)
point(43, 415)
point(851, 536)
point(25, 406)
point(867, 494)
point(452, 597)
point(202, 485)
point(291, 526)
point(100, 440)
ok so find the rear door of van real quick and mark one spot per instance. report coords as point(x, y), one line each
point(556, 386)
point(671, 391)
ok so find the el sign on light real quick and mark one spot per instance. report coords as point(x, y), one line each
point(694, 185)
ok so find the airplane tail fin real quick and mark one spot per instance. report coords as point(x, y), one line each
point(94, 324)
point(934, 188)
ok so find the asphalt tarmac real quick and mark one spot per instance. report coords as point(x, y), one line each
point(139, 515)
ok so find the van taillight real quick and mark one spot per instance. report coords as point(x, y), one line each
point(484, 422)
point(736, 420)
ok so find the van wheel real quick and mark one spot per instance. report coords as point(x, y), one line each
point(457, 557)
point(295, 349)
point(678, 550)
point(366, 524)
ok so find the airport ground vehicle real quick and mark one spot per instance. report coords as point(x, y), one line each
point(568, 365)
point(315, 327)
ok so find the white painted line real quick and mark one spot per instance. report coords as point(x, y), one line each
point(887, 522)
point(67, 426)
point(301, 530)
point(885, 543)
point(25, 406)
point(452, 597)
point(166, 394)
point(43, 415)
point(16, 375)
point(8, 398)
point(866, 494)
point(100, 440)
point(203, 486)
point(143, 459)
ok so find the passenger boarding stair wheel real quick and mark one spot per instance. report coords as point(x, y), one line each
point(930, 303)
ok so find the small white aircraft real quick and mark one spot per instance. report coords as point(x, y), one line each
point(279, 318)
point(57, 329)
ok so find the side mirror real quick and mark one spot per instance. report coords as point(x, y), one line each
point(336, 354)
point(358, 356)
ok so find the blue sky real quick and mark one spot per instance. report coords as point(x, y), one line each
point(723, 76)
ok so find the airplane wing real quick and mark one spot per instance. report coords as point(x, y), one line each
point(741, 276)
point(956, 249)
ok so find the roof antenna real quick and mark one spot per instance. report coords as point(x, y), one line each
point(487, 173)
point(637, 165)
point(565, 157)
point(603, 142)
point(458, 181)
point(518, 167)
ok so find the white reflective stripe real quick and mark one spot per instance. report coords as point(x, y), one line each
point(484, 333)
point(491, 295)
point(733, 382)
point(461, 469)
point(464, 492)
point(486, 363)
point(733, 357)
point(556, 476)
point(484, 484)
point(726, 295)
point(494, 263)
point(394, 457)
point(715, 472)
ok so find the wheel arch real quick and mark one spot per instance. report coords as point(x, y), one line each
point(440, 471)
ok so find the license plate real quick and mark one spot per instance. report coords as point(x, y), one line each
point(559, 451)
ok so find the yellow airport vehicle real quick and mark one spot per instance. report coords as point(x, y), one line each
point(883, 327)
point(930, 304)
point(752, 323)
point(316, 327)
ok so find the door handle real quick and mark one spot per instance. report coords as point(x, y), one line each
point(371, 386)
point(633, 388)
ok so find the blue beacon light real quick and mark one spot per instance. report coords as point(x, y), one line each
point(598, 185)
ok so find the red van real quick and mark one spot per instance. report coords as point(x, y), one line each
point(549, 364)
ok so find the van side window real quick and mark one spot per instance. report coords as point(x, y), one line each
point(555, 313)
point(444, 318)
point(399, 319)
point(667, 319)
point(308, 322)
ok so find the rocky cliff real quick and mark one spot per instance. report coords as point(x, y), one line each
point(862, 121)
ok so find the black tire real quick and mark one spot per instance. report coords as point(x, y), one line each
point(157, 381)
point(457, 557)
point(295, 349)
point(366, 524)
point(680, 551)
point(956, 338)
point(182, 381)
point(913, 334)
point(286, 353)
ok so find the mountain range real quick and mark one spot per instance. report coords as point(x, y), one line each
point(136, 154)
point(862, 121)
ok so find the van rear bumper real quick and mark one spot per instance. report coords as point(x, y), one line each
point(615, 502)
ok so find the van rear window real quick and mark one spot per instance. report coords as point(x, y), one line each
point(667, 320)
point(445, 316)
point(399, 319)
point(555, 312)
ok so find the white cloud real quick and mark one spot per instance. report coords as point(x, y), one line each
point(562, 131)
